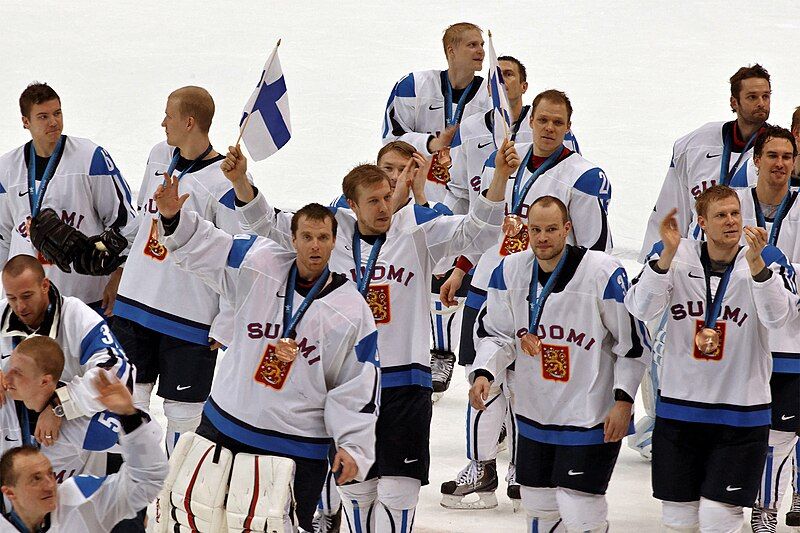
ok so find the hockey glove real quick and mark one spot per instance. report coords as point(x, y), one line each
point(101, 255)
point(58, 242)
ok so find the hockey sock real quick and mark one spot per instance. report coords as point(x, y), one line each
point(358, 504)
point(541, 509)
point(330, 501)
point(720, 517)
point(777, 468)
point(182, 417)
point(397, 504)
point(141, 395)
point(582, 511)
point(680, 517)
point(484, 427)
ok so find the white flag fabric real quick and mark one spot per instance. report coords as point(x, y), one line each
point(500, 105)
point(268, 129)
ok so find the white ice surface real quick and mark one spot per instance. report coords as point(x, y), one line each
point(639, 74)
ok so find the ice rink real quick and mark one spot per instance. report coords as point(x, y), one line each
point(640, 74)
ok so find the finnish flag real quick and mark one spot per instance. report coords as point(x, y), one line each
point(500, 106)
point(265, 125)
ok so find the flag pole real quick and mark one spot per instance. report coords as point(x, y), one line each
point(491, 43)
point(266, 70)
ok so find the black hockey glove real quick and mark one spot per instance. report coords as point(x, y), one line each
point(102, 254)
point(57, 241)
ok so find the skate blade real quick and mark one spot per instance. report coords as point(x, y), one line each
point(486, 500)
point(436, 396)
point(502, 445)
point(516, 505)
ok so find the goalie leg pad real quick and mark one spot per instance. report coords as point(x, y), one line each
point(193, 497)
point(260, 497)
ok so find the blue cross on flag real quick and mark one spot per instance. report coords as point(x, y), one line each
point(500, 106)
point(265, 126)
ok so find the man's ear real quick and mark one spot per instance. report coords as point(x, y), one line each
point(25, 122)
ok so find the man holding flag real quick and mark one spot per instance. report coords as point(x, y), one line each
point(165, 316)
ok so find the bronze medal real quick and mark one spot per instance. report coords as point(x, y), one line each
point(438, 173)
point(707, 340)
point(512, 225)
point(286, 350)
point(531, 344)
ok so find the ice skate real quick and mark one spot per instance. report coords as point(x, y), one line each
point(327, 523)
point(793, 516)
point(441, 370)
point(478, 478)
point(763, 520)
point(513, 491)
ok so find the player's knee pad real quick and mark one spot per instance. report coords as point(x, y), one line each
point(718, 517)
point(182, 417)
point(399, 492)
point(358, 504)
point(193, 496)
point(260, 495)
point(141, 395)
point(329, 501)
point(582, 511)
point(680, 517)
point(777, 468)
point(541, 509)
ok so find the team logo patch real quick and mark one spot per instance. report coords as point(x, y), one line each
point(717, 355)
point(439, 171)
point(378, 301)
point(153, 248)
point(517, 243)
point(555, 362)
point(272, 372)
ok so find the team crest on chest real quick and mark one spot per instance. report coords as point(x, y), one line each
point(718, 353)
point(154, 248)
point(517, 243)
point(272, 372)
point(555, 362)
point(378, 301)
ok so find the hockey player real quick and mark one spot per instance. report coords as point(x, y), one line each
point(773, 206)
point(33, 306)
point(547, 168)
point(713, 408)
point(310, 349)
point(557, 314)
point(75, 178)
point(425, 107)
point(85, 503)
point(165, 316)
point(391, 258)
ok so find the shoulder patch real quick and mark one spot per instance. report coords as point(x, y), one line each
point(102, 164)
point(98, 339)
point(773, 255)
point(88, 485)
point(367, 349)
point(442, 209)
point(405, 87)
point(239, 247)
point(497, 281)
point(424, 214)
point(655, 250)
point(340, 202)
point(617, 286)
point(594, 182)
point(102, 432)
point(229, 199)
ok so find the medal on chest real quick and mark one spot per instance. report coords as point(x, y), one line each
point(153, 247)
point(709, 334)
point(376, 296)
point(530, 343)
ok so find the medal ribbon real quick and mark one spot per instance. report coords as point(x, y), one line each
point(518, 195)
point(714, 305)
point(519, 121)
point(450, 118)
point(362, 280)
point(536, 301)
point(176, 158)
point(780, 214)
point(726, 174)
point(290, 320)
point(36, 194)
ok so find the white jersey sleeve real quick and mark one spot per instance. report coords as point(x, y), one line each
point(496, 348)
point(674, 194)
point(111, 196)
point(399, 122)
point(651, 291)
point(260, 218)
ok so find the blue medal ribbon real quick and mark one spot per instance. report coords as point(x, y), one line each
point(521, 191)
point(450, 118)
point(725, 173)
point(36, 194)
point(519, 121)
point(177, 157)
point(290, 320)
point(780, 214)
point(714, 305)
point(362, 280)
point(535, 300)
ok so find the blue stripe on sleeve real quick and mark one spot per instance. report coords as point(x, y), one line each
point(617, 286)
point(367, 349)
point(497, 281)
point(239, 248)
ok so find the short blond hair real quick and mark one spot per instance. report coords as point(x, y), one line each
point(711, 195)
point(197, 103)
point(46, 353)
point(362, 175)
point(455, 33)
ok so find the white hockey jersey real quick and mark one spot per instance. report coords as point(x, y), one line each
point(85, 338)
point(399, 290)
point(730, 386)
point(86, 190)
point(154, 292)
point(591, 345)
point(330, 390)
point(695, 166)
point(96, 503)
point(785, 342)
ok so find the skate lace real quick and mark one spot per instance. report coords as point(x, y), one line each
point(764, 520)
point(440, 369)
point(511, 476)
point(795, 503)
point(470, 474)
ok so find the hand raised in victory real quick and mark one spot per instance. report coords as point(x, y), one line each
point(167, 199)
point(670, 237)
point(756, 239)
point(506, 159)
point(113, 394)
point(235, 165)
